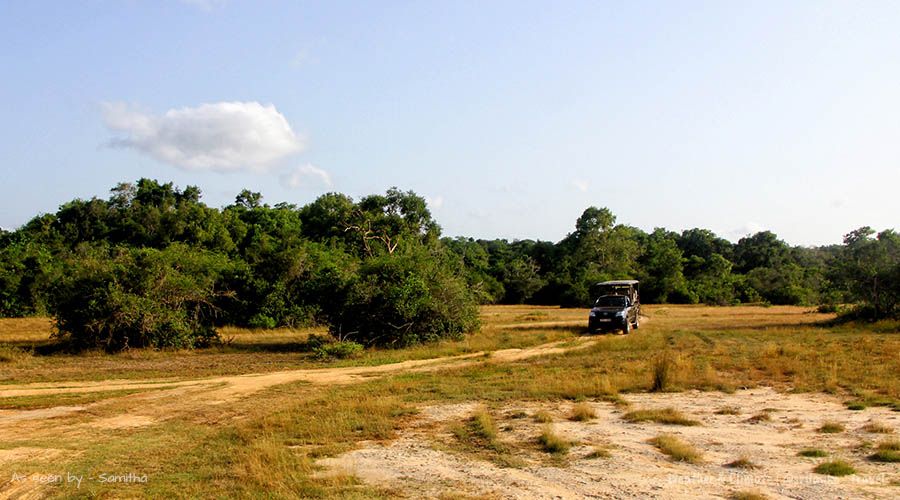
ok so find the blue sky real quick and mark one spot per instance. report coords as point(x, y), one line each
point(510, 117)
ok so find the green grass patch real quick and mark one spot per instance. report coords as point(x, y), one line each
point(65, 399)
point(888, 451)
point(813, 453)
point(836, 468)
point(831, 428)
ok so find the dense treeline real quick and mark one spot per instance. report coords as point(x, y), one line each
point(152, 265)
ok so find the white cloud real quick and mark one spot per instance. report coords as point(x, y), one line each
point(581, 185)
point(748, 229)
point(222, 136)
point(436, 202)
point(306, 176)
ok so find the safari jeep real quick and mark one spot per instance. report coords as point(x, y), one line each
point(617, 308)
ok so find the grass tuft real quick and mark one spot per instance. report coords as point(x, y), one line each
point(747, 495)
point(669, 416)
point(878, 428)
point(582, 412)
point(888, 451)
point(552, 442)
point(663, 371)
point(677, 449)
point(742, 463)
point(831, 428)
point(728, 410)
point(599, 452)
point(762, 416)
point(813, 453)
point(543, 417)
point(835, 468)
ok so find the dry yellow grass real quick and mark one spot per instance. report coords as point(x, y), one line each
point(265, 446)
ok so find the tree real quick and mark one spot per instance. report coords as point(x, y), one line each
point(118, 298)
point(661, 267)
point(405, 298)
point(869, 268)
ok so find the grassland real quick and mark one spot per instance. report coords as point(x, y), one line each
point(265, 445)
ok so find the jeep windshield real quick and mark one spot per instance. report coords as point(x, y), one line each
point(614, 301)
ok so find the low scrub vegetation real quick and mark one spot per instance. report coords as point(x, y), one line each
point(835, 468)
point(677, 449)
point(728, 410)
point(888, 451)
point(599, 452)
point(762, 416)
point(831, 428)
point(669, 416)
point(813, 453)
point(582, 412)
point(747, 495)
point(878, 428)
point(551, 442)
point(743, 462)
point(543, 417)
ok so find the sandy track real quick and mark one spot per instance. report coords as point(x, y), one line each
point(219, 390)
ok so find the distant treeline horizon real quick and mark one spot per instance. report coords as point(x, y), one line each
point(281, 265)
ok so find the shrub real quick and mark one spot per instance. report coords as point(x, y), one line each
point(120, 298)
point(401, 300)
point(340, 350)
point(813, 453)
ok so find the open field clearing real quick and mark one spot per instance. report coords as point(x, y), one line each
point(258, 416)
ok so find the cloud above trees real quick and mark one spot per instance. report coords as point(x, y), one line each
point(221, 137)
point(306, 176)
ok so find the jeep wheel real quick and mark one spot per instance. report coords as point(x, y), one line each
point(626, 329)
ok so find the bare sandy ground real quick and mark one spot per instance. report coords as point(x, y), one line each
point(421, 462)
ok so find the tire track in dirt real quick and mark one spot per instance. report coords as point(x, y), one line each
point(165, 399)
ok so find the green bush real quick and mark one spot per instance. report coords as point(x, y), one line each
point(340, 350)
point(121, 298)
point(404, 299)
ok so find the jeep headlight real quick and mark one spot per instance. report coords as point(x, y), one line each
point(620, 314)
point(593, 313)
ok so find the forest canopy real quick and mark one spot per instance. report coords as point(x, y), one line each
point(152, 265)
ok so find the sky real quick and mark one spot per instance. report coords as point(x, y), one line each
point(509, 117)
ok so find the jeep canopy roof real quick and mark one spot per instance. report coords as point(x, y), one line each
point(627, 288)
